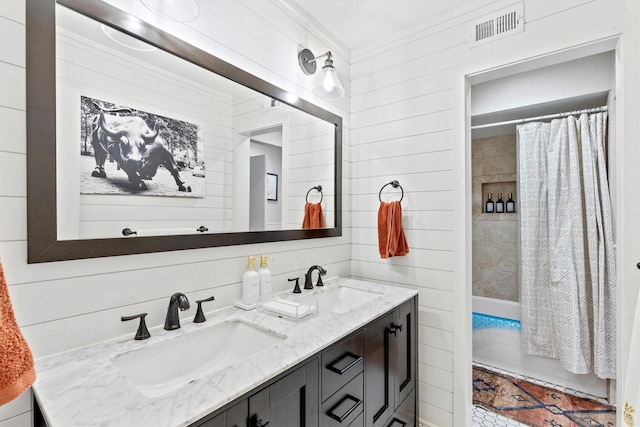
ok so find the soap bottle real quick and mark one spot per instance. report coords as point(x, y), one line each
point(250, 284)
point(500, 204)
point(489, 205)
point(264, 275)
point(510, 205)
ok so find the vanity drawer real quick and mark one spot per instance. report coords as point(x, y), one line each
point(341, 364)
point(345, 407)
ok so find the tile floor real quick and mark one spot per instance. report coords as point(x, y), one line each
point(483, 418)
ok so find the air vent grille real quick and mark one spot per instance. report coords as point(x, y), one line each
point(498, 25)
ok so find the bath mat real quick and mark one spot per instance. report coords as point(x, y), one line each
point(535, 405)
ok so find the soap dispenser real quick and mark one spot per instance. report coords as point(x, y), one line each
point(264, 275)
point(250, 284)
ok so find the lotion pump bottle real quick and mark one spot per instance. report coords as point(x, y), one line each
point(264, 275)
point(250, 284)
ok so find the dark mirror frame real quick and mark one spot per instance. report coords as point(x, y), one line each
point(42, 240)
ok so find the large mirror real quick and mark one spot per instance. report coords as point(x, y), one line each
point(139, 142)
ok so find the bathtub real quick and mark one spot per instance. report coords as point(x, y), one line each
point(497, 343)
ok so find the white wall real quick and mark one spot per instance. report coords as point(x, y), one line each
point(409, 103)
point(65, 305)
point(407, 124)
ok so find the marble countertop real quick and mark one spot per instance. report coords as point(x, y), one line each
point(84, 388)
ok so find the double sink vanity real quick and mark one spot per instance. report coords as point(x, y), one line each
point(350, 363)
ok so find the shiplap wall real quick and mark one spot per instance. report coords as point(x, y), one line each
point(403, 129)
point(308, 151)
point(408, 105)
point(65, 305)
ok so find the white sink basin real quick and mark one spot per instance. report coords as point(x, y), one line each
point(168, 365)
point(343, 299)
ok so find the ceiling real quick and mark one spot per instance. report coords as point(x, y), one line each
point(357, 23)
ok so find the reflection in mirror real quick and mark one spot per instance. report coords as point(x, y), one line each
point(162, 146)
point(242, 136)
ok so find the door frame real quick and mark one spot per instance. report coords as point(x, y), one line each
point(463, 78)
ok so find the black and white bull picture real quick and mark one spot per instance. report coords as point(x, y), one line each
point(136, 148)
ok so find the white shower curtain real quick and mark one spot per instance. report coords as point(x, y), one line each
point(568, 266)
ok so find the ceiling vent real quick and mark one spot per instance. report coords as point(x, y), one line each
point(498, 25)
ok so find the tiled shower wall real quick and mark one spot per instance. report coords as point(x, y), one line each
point(495, 244)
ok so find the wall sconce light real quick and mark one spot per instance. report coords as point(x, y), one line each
point(327, 84)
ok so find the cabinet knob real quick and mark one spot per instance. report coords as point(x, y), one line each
point(393, 329)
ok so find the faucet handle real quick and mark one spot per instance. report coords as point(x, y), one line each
point(199, 314)
point(296, 289)
point(143, 332)
point(321, 272)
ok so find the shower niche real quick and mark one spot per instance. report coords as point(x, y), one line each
point(499, 190)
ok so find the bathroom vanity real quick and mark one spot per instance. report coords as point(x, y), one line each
point(351, 363)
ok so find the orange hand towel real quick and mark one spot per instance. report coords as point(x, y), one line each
point(391, 238)
point(313, 217)
point(17, 372)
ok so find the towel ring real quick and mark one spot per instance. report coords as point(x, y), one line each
point(319, 189)
point(394, 184)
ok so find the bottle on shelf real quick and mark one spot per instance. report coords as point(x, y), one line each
point(510, 205)
point(499, 204)
point(489, 205)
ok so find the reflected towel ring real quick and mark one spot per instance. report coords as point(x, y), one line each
point(317, 188)
point(394, 184)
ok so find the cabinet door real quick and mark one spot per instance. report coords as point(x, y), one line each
point(292, 401)
point(236, 416)
point(379, 396)
point(403, 352)
point(217, 421)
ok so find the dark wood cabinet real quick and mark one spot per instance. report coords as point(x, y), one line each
point(404, 353)
point(291, 401)
point(378, 376)
point(236, 416)
point(390, 367)
point(342, 380)
point(366, 379)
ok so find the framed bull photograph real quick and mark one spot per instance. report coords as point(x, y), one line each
point(124, 150)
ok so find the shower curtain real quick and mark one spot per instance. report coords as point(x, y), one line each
point(568, 271)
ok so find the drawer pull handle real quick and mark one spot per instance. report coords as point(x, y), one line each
point(259, 423)
point(335, 365)
point(397, 423)
point(340, 405)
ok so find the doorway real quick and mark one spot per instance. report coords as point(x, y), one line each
point(495, 98)
point(260, 153)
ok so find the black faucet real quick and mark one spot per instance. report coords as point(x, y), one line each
point(308, 284)
point(177, 301)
